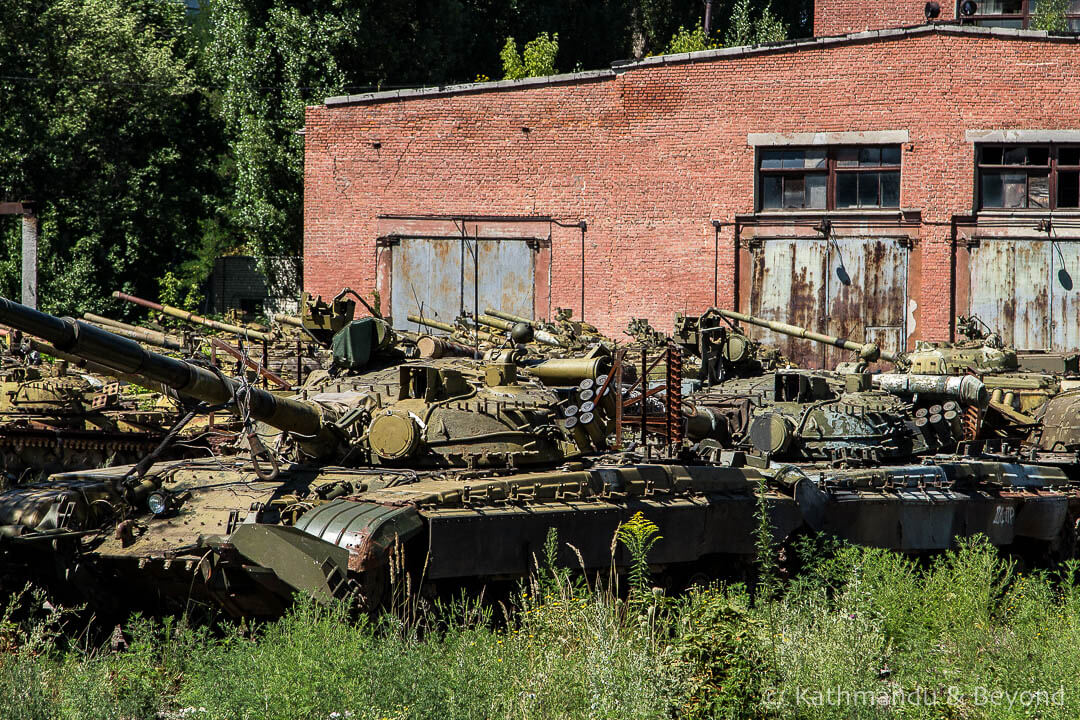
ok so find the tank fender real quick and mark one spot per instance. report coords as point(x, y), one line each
point(365, 530)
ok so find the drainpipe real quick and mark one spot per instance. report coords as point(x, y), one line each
point(708, 17)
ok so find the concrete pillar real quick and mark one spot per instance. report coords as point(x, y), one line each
point(29, 260)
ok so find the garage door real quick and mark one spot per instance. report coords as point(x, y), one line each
point(1025, 290)
point(436, 277)
point(851, 287)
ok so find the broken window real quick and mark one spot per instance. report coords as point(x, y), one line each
point(1034, 177)
point(829, 178)
point(1010, 13)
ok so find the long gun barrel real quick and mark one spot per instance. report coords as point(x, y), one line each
point(447, 327)
point(868, 351)
point(150, 337)
point(127, 357)
point(186, 316)
point(291, 320)
point(542, 337)
point(494, 312)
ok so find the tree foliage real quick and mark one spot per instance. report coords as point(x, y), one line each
point(538, 58)
point(155, 139)
point(1051, 16)
point(105, 128)
point(745, 29)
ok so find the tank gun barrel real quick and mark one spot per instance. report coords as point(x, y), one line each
point(123, 356)
point(494, 312)
point(447, 327)
point(150, 337)
point(290, 320)
point(186, 316)
point(868, 349)
point(966, 389)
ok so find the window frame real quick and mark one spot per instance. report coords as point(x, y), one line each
point(1025, 16)
point(830, 170)
point(1053, 168)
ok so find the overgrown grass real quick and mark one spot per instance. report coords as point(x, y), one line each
point(858, 634)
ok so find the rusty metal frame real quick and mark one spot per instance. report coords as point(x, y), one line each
point(259, 368)
point(670, 424)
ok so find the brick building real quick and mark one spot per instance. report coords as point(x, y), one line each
point(874, 181)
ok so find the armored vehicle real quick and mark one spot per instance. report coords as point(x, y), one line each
point(452, 470)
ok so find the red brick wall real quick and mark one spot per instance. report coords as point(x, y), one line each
point(650, 157)
point(837, 17)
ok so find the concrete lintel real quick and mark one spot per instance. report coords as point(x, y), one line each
point(868, 137)
point(415, 93)
point(1022, 136)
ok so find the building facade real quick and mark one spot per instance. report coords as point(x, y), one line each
point(873, 182)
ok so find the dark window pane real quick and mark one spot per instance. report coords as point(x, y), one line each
point(847, 186)
point(772, 192)
point(1016, 24)
point(868, 189)
point(1068, 189)
point(991, 156)
point(869, 156)
point(1014, 190)
point(1015, 155)
point(890, 189)
point(1039, 191)
point(1069, 156)
point(815, 158)
point(991, 190)
point(771, 159)
point(890, 155)
point(815, 191)
point(847, 157)
point(1000, 7)
point(1074, 6)
point(794, 194)
point(1038, 156)
point(794, 158)
point(1074, 23)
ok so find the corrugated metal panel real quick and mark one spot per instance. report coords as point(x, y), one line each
point(506, 276)
point(1065, 296)
point(427, 277)
point(789, 286)
point(850, 287)
point(1010, 290)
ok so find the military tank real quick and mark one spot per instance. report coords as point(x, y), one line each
point(57, 415)
point(454, 472)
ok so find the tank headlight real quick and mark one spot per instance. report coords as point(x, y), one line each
point(158, 503)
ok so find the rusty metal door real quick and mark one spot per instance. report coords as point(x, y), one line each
point(789, 286)
point(1064, 295)
point(851, 287)
point(433, 276)
point(1025, 290)
point(867, 294)
point(1010, 290)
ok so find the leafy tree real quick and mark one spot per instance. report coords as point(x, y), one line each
point(690, 41)
point(1051, 16)
point(537, 60)
point(106, 130)
point(743, 29)
point(267, 61)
